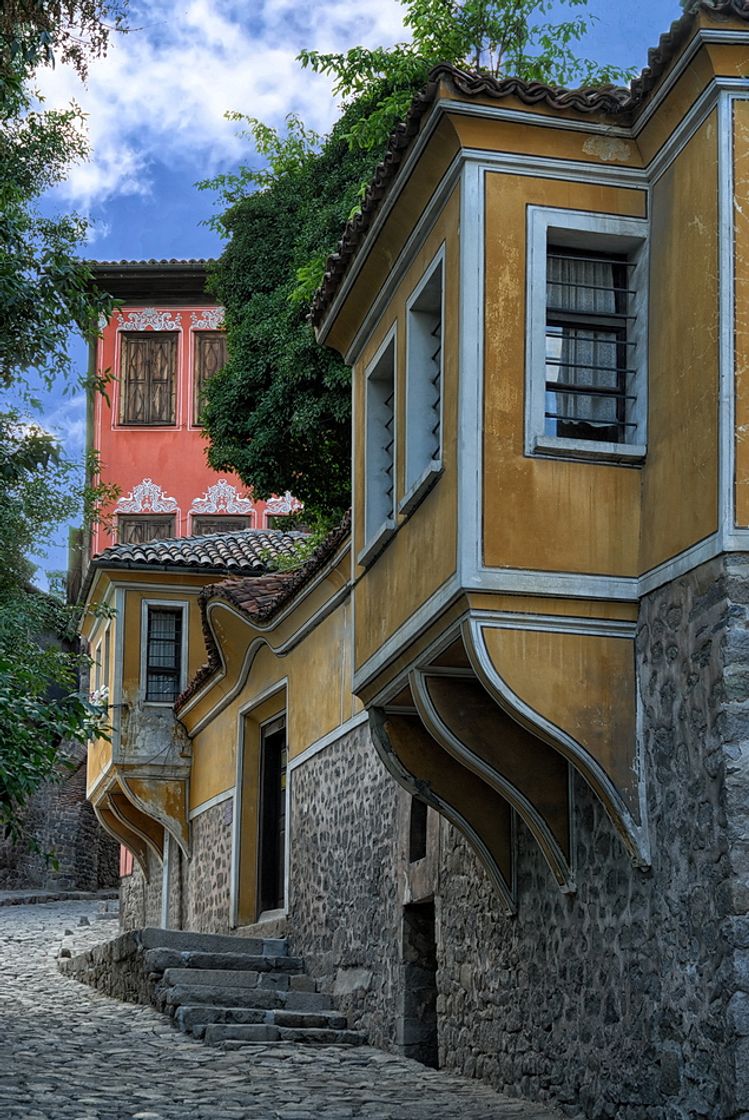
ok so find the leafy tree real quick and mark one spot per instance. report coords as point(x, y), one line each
point(279, 413)
point(40, 703)
point(45, 291)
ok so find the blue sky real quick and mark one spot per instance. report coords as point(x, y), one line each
point(155, 110)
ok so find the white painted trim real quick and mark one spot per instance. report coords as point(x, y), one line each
point(554, 624)
point(210, 803)
point(126, 585)
point(568, 585)
point(429, 478)
point(414, 410)
point(595, 230)
point(727, 317)
point(469, 443)
point(166, 863)
point(567, 170)
point(115, 708)
point(173, 604)
point(375, 539)
point(327, 740)
point(528, 116)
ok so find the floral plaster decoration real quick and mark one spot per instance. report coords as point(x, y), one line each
point(222, 498)
point(211, 319)
point(147, 497)
point(286, 504)
point(148, 319)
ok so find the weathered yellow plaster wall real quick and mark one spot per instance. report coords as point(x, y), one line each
point(423, 554)
point(546, 515)
point(680, 476)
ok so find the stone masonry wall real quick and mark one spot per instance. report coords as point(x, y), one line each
point(207, 876)
point(344, 915)
point(628, 1000)
point(140, 900)
point(63, 847)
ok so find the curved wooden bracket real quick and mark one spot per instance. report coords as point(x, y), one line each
point(162, 799)
point(122, 833)
point(420, 765)
point(149, 831)
point(461, 716)
point(611, 768)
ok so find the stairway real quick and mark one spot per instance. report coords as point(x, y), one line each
point(231, 991)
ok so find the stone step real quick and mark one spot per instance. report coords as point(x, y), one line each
point(189, 995)
point(186, 942)
point(225, 978)
point(159, 960)
point(221, 1034)
point(197, 1018)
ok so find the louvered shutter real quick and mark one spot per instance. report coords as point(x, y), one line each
point(210, 357)
point(148, 376)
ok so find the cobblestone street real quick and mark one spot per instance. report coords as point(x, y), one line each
point(69, 1053)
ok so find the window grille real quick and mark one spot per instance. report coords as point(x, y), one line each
point(139, 529)
point(210, 357)
point(588, 346)
point(148, 378)
point(163, 654)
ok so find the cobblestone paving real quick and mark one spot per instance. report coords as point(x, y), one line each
point(69, 1053)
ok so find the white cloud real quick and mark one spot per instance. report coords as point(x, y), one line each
point(163, 89)
point(68, 423)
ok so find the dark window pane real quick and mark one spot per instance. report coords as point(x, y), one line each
point(163, 654)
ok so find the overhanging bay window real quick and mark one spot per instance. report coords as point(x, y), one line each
point(586, 367)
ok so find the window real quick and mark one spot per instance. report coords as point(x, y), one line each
point(138, 529)
point(587, 301)
point(379, 451)
point(424, 386)
point(204, 526)
point(148, 378)
point(272, 822)
point(163, 654)
point(210, 357)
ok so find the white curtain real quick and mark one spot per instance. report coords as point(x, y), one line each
point(588, 356)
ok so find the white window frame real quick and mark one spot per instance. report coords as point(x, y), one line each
point(377, 535)
point(592, 232)
point(422, 474)
point(173, 604)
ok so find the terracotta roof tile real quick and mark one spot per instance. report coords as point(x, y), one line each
point(607, 101)
point(260, 598)
point(242, 551)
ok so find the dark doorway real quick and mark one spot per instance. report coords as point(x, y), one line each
point(419, 1024)
point(272, 823)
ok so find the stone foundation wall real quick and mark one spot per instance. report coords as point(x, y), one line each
point(198, 887)
point(629, 999)
point(63, 846)
point(140, 899)
point(344, 914)
point(206, 878)
point(115, 968)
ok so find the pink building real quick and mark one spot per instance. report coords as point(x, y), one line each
point(159, 349)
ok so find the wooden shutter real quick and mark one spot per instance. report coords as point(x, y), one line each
point(149, 376)
point(203, 526)
point(210, 357)
point(140, 528)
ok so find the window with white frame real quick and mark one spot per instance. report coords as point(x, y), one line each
point(424, 377)
point(586, 369)
point(379, 452)
point(163, 661)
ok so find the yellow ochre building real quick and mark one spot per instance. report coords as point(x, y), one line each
point(484, 759)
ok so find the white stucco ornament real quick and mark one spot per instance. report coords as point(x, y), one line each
point(222, 498)
point(146, 497)
point(148, 318)
point(285, 504)
point(608, 149)
point(211, 319)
